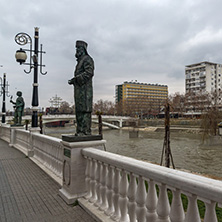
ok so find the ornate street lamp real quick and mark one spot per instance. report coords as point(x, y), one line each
point(21, 56)
point(4, 92)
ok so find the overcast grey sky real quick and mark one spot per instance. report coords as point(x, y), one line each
point(145, 40)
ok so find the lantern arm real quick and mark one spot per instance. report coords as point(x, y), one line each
point(23, 39)
point(7, 90)
point(30, 59)
point(43, 73)
point(1, 84)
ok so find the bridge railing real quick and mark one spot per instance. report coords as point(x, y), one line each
point(126, 189)
point(45, 151)
point(48, 152)
point(5, 133)
point(21, 140)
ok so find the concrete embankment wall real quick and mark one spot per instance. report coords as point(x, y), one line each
point(173, 122)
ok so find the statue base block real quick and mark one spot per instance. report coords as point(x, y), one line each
point(73, 138)
point(17, 125)
point(74, 168)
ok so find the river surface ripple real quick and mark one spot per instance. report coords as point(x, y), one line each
point(187, 149)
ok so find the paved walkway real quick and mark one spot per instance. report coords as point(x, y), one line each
point(29, 194)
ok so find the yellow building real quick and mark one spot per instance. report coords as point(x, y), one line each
point(133, 98)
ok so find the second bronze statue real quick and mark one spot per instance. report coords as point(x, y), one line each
point(19, 108)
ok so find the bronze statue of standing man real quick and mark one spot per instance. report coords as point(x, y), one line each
point(83, 89)
point(19, 108)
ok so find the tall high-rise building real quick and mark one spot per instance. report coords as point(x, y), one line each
point(202, 78)
point(134, 98)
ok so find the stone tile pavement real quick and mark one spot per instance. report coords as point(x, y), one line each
point(29, 194)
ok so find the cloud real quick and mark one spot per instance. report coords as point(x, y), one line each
point(145, 40)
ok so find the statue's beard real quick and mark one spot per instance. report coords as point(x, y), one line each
point(78, 55)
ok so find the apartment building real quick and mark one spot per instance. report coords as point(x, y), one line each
point(137, 98)
point(202, 78)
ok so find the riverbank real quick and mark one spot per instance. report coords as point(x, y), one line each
point(175, 128)
point(71, 129)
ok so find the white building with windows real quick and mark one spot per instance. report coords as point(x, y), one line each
point(204, 77)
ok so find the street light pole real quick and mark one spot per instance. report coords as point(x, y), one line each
point(3, 101)
point(3, 92)
point(23, 39)
point(35, 100)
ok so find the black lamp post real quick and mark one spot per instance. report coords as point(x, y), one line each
point(3, 92)
point(23, 39)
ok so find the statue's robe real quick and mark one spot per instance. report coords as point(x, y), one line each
point(83, 94)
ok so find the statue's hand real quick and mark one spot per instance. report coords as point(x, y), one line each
point(71, 81)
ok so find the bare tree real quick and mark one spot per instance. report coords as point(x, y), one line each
point(166, 144)
point(106, 107)
point(212, 115)
point(177, 102)
point(65, 108)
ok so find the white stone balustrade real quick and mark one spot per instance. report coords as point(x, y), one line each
point(122, 188)
point(5, 132)
point(21, 140)
point(48, 151)
point(45, 151)
point(140, 190)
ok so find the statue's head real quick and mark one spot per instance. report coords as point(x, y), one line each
point(19, 93)
point(81, 48)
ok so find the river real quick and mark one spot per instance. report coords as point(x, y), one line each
point(188, 151)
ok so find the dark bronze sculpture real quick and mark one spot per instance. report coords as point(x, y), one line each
point(19, 108)
point(83, 90)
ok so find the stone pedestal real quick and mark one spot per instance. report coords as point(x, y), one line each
point(74, 167)
point(12, 136)
point(35, 130)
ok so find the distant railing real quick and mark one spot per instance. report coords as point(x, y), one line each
point(126, 189)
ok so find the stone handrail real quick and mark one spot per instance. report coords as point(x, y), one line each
point(21, 139)
point(117, 186)
point(48, 152)
point(122, 188)
point(5, 133)
point(45, 151)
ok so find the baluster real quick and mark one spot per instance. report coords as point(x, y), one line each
point(163, 207)
point(109, 191)
point(210, 214)
point(177, 211)
point(116, 214)
point(151, 202)
point(87, 179)
point(98, 183)
point(141, 200)
point(132, 198)
point(123, 197)
point(192, 210)
point(93, 182)
point(104, 205)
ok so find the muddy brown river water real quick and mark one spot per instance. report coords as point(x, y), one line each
point(188, 150)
